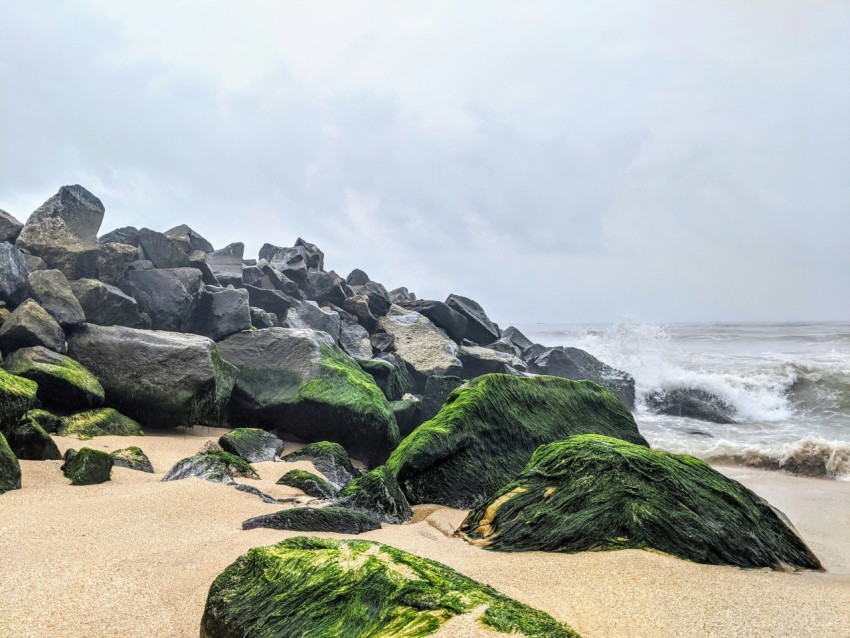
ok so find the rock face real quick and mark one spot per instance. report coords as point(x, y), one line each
point(10, 469)
point(214, 466)
point(308, 519)
point(320, 587)
point(132, 458)
point(17, 395)
point(477, 361)
point(87, 467)
point(30, 442)
point(162, 250)
point(299, 382)
point(188, 240)
point(307, 314)
point(441, 315)
point(252, 444)
point(572, 363)
point(694, 403)
point(99, 422)
point(330, 459)
point(425, 348)
point(488, 429)
point(10, 227)
point(62, 382)
point(594, 492)
point(13, 274)
point(221, 312)
point(63, 232)
point(107, 305)
point(169, 296)
point(378, 494)
point(436, 391)
point(114, 260)
point(385, 374)
point(29, 325)
point(226, 264)
point(355, 342)
point(309, 483)
point(479, 327)
point(128, 235)
point(161, 379)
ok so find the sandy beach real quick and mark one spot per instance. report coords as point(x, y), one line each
point(134, 557)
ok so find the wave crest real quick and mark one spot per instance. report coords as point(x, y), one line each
point(809, 457)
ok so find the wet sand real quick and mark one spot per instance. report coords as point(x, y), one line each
point(134, 557)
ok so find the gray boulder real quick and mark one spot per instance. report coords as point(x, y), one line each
point(358, 305)
point(330, 459)
point(162, 250)
point(355, 342)
point(441, 315)
point(50, 289)
point(221, 312)
point(188, 240)
point(378, 297)
point(10, 227)
point(107, 305)
point(401, 295)
point(35, 263)
point(479, 327)
point(315, 257)
point(292, 262)
point(273, 301)
point(436, 391)
point(694, 403)
point(215, 466)
point(357, 278)
point(30, 325)
point(197, 260)
point(13, 274)
point(226, 264)
point(326, 287)
point(513, 342)
point(477, 360)
point(169, 296)
point(114, 260)
point(307, 314)
point(252, 444)
point(261, 319)
point(127, 235)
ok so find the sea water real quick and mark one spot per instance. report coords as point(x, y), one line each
point(788, 384)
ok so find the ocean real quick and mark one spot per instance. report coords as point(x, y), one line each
point(789, 385)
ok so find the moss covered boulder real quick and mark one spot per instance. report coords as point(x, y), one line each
point(252, 444)
point(62, 382)
point(308, 483)
point(17, 395)
point(161, 379)
point(313, 588)
point(340, 520)
point(48, 421)
point(30, 442)
point(330, 459)
point(215, 466)
point(10, 469)
point(99, 422)
point(298, 381)
point(594, 492)
point(378, 494)
point(87, 466)
point(393, 383)
point(133, 458)
point(488, 429)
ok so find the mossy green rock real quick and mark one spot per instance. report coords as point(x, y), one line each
point(387, 377)
point(314, 588)
point(49, 422)
point(340, 520)
point(298, 381)
point(30, 442)
point(378, 494)
point(133, 458)
point(87, 466)
point(100, 422)
point(489, 428)
point(308, 483)
point(595, 492)
point(10, 469)
point(215, 466)
point(252, 444)
point(62, 382)
point(330, 459)
point(17, 395)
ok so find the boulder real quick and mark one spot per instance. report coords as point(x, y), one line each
point(10, 227)
point(477, 360)
point(261, 319)
point(63, 232)
point(87, 467)
point(30, 442)
point(35, 263)
point(252, 444)
point(694, 403)
point(13, 274)
point(512, 341)
point(424, 348)
point(377, 494)
point(358, 305)
point(107, 305)
point(387, 377)
point(214, 466)
point(307, 314)
point(355, 342)
point(141, 264)
point(315, 257)
point(291, 262)
point(275, 280)
point(307, 586)
point(188, 240)
point(572, 363)
point(437, 390)
point(127, 235)
point(479, 328)
point(591, 493)
point(48, 421)
point(326, 287)
point(17, 396)
point(62, 382)
point(487, 430)
point(401, 295)
point(378, 298)
point(197, 260)
point(300, 382)
point(10, 469)
point(330, 459)
point(50, 289)
point(162, 379)
point(272, 301)
point(308, 519)
point(533, 351)
point(99, 422)
point(408, 414)
point(382, 342)
point(162, 250)
point(309, 483)
point(114, 260)
point(441, 315)
point(169, 296)
point(226, 264)
point(357, 278)
point(221, 312)
point(29, 325)
point(132, 458)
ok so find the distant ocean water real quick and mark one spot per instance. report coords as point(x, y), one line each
point(789, 384)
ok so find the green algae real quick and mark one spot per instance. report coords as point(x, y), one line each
point(30, 442)
point(308, 483)
point(62, 382)
point(133, 458)
point(594, 492)
point(329, 458)
point(17, 395)
point(311, 588)
point(377, 493)
point(252, 444)
point(10, 469)
point(100, 422)
point(388, 379)
point(339, 520)
point(47, 420)
point(87, 466)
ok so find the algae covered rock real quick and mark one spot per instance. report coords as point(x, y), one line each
point(214, 466)
point(378, 494)
point(340, 520)
point(594, 492)
point(16, 397)
point(312, 588)
point(48, 421)
point(252, 444)
point(100, 422)
point(308, 483)
point(10, 469)
point(489, 428)
point(330, 459)
point(387, 377)
point(30, 442)
point(87, 466)
point(62, 382)
point(133, 458)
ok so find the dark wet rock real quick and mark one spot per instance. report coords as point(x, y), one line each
point(488, 428)
point(441, 315)
point(87, 466)
point(62, 382)
point(252, 444)
point(382, 342)
point(479, 327)
point(169, 296)
point(162, 250)
point(214, 466)
point(330, 459)
point(307, 314)
point(114, 260)
point(477, 360)
point(378, 298)
point(278, 281)
point(309, 483)
point(533, 351)
point(591, 493)
point(107, 305)
point(10, 469)
point(162, 379)
point(315, 257)
point(188, 240)
point(387, 377)
point(291, 262)
point(221, 312)
point(132, 458)
point(378, 494)
point(197, 260)
point(13, 274)
point(48, 421)
point(141, 264)
point(513, 342)
point(226, 264)
point(250, 489)
point(355, 342)
point(17, 396)
point(99, 422)
point(572, 363)
point(272, 301)
point(50, 289)
point(30, 442)
point(30, 325)
point(437, 390)
point(408, 414)
point(694, 403)
point(357, 278)
point(358, 305)
point(10, 227)
point(261, 319)
point(309, 519)
point(127, 235)
point(326, 287)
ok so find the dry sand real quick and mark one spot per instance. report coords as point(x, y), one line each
point(134, 557)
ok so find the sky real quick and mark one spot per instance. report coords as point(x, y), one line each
point(561, 161)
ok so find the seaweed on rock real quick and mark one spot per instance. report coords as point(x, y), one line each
point(308, 483)
point(330, 459)
point(100, 422)
point(17, 396)
point(133, 458)
point(10, 469)
point(340, 520)
point(252, 444)
point(62, 382)
point(378, 494)
point(215, 466)
point(87, 466)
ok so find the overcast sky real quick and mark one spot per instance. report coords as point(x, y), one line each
point(557, 161)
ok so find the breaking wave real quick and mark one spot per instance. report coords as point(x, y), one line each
point(809, 457)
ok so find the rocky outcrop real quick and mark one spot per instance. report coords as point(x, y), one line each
point(694, 403)
point(29, 325)
point(107, 305)
point(252, 444)
point(479, 328)
point(62, 382)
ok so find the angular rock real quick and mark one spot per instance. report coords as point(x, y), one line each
point(13, 274)
point(29, 325)
point(278, 281)
point(357, 278)
point(401, 295)
point(330, 459)
point(382, 342)
point(107, 305)
point(272, 301)
point(10, 227)
point(307, 314)
point(141, 264)
point(127, 235)
point(512, 341)
point(487, 430)
point(162, 379)
point(354, 340)
point(437, 390)
point(17, 396)
point(99, 422)
point(309, 483)
point(35, 263)
point(358, 305)
point(308, 519)
point(214, 466)
point(387, 377)
point(261, 319)
point(533, 351)
point(30, 442)
point(114, 260)
point(188, 240)
point(408, 414)
point(479, 327)
point(291, 262)
point(87, 466)
point(62, 382)
point(10, 469)
point(378, 298)
point(226, 264)
point(169, 296)
point(162, 250)
point(307, 586)
point(50, 289)
point(326, 287)
point(572, 363)
point(197, 260)
point(315, 257)
point(694, 403)
point(378, 494)
point(252, 444)
point(441, 315)
point(48, 421)
point(300, 382)
point(132, 458)
point(221, 312)
point(477, 360)
point(598, 493)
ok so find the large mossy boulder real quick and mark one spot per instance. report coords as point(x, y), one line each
point(30, 442)
point(99, 422)
point(62, 382)
point(330, 459)
point(10, 469)
point(300, 382)
point(594, 492)
point(87, 466)
point(312, 588)
point(49, 422)
point(488, 429)
point(132, 458)
point(252, 444)
point(161, 379)
point(17, 396)
point(340, 520)
point(215, 466)
point(378, 494)
point(309, 483)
